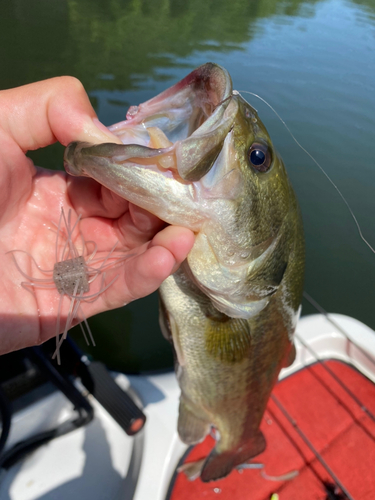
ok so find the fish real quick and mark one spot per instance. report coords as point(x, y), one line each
point(197, 155)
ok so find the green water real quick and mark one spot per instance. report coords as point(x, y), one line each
point(313, 61)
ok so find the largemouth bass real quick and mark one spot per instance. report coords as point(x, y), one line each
point(197, 155)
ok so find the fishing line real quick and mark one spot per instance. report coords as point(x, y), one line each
point(307, 441)
point(236, 92)
point(350, 393)
point(328, 317)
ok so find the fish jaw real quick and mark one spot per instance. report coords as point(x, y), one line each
point(145, 185)
point(191, 121)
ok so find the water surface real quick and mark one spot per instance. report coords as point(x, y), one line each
point(313, 61)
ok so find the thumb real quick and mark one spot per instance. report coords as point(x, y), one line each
point(40, 113)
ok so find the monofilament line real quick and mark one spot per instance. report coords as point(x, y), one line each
point(316, 163)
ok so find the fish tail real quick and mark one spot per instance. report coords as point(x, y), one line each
point(219, 465)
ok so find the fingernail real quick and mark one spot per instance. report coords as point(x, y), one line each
point(100, 126)
point(98, 132)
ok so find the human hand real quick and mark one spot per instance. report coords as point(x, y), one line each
point(31, 200)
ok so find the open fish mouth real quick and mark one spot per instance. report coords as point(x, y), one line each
point(182, 129)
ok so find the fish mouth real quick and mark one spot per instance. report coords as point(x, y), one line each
point(169, 145)
point(186, 124)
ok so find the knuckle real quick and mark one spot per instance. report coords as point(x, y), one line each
point(71, 84)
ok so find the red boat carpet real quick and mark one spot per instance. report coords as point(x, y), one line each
point(335, 423)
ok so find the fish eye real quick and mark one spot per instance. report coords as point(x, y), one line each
point(259, 156)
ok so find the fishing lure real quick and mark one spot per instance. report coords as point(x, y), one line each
point(76, 268)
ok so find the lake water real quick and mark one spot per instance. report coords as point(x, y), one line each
point(313, 62)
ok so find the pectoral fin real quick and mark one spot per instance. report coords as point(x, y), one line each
point(229, 339)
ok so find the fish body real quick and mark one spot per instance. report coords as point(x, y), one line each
point(198, 156)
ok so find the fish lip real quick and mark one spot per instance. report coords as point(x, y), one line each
point(214, 78)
